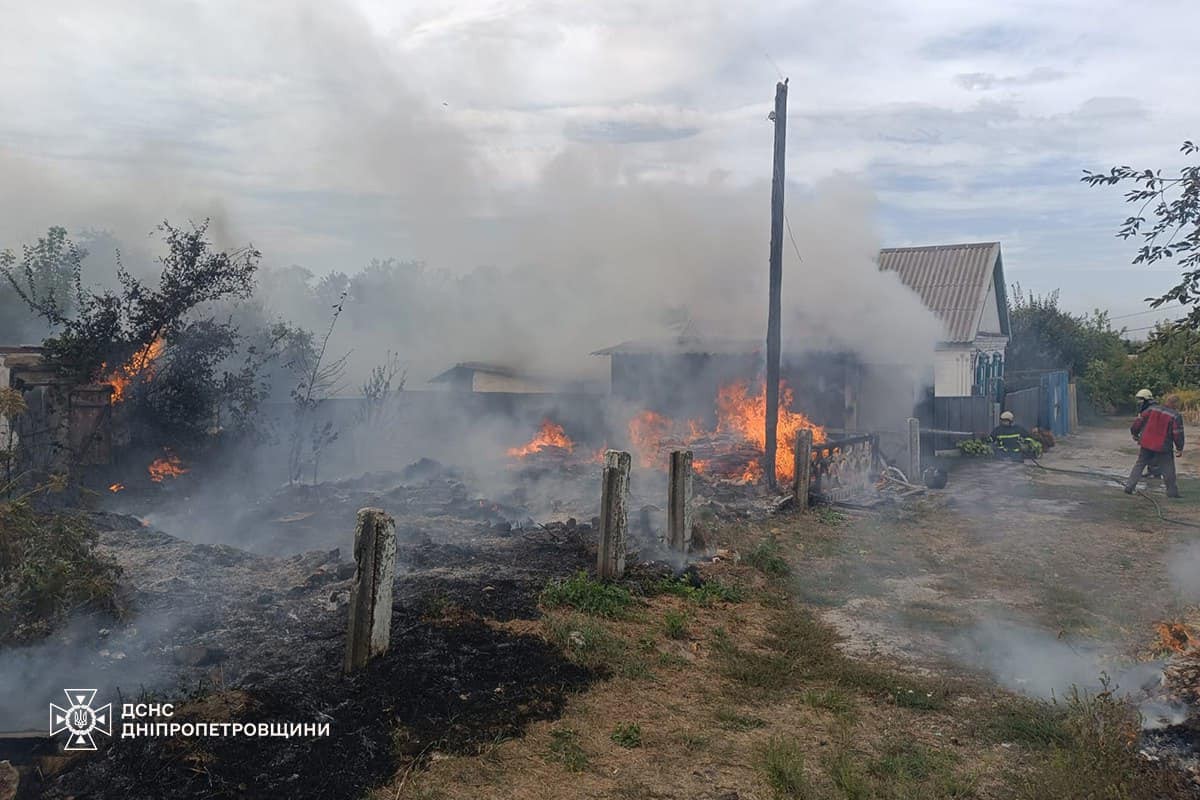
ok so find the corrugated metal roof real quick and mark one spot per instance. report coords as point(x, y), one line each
point(951, 279)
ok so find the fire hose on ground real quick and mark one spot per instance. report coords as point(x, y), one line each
point(1090, 474)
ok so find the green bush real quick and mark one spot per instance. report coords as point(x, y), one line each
point(975, 447)
point(48, 568)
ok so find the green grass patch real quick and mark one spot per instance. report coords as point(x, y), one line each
point(729, 720)
point(849, 778)
point(590, 596)
point(909, 761)
point(828, 515)
point(589, 644)
point(751, 668)
point(782, 766)
point(767, 558)
point(627, 734)
point(1032, 723)
point(672, 660)
point(706, 594)
point(800, 647)
point(834, 700)
point(905, 770)
point(566, 750)
point(675, 624)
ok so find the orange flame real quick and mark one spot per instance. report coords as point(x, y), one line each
point(141, 362)
point(550, 434)
point(647, 431)
point(1174, 636)
point(745, 414)
point(116, 487)
point(169, 466)
point(740, 416)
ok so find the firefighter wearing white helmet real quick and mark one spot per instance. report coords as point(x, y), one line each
point(1008, 435)
point(1145, 399)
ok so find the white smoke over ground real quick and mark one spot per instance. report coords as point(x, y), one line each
point(1032, 660)
point(1183, 569)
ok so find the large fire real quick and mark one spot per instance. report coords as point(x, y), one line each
point(734, 449)
point(169, 466)
point(141, 364)
point(745, 414)
point(550, 434)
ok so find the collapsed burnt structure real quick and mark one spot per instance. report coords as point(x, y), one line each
point(66, 424)
point(681, 376)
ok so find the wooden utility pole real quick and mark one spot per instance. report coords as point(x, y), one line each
point(773, 308)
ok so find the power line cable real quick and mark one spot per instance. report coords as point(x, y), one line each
point(1148, 311)
point(791, 236)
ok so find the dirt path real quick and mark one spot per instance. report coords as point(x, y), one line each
point(1040, 578)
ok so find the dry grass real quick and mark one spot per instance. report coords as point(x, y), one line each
point(727, 708)
point(758, 698)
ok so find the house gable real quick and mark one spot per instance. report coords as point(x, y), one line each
point(954, 281)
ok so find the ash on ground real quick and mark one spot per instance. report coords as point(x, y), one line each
point(230, 635)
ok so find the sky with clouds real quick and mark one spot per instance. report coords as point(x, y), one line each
point(331, 133)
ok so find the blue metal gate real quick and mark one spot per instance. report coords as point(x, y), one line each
point(1055, 402)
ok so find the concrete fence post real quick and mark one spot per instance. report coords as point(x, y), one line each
point(914, 450)
point(803, 479)
point(371, 593)
point(679, 502)
point(614, 500)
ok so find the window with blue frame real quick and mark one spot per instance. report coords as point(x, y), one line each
point(989, 375)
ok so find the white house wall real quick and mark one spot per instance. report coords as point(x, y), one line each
point(990, 320)
point(953, 375)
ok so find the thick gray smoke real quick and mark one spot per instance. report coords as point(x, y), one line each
point(323, 150)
